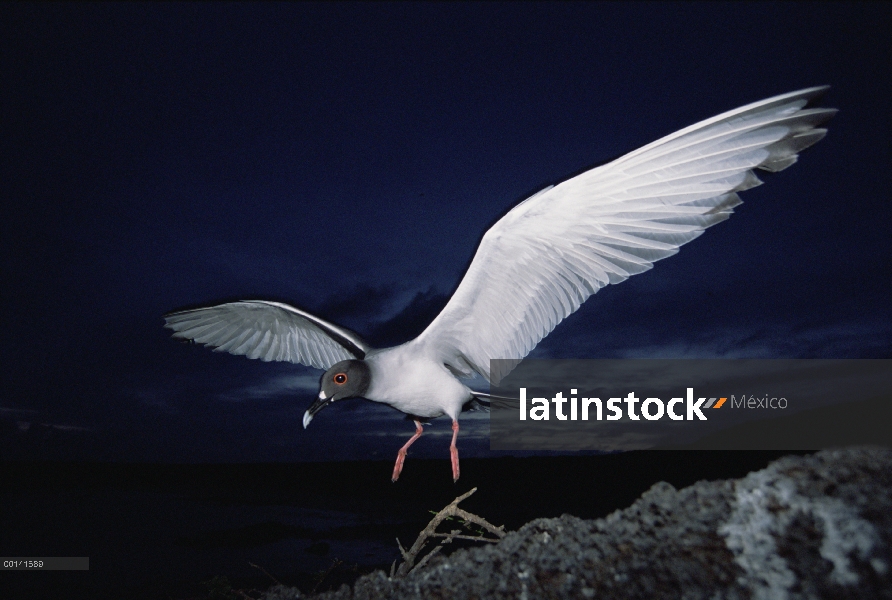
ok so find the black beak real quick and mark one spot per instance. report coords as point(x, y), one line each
point(314, 408)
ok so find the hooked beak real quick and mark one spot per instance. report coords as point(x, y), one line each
point(318, 405)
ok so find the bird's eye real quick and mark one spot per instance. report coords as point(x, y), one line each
point(340, 378)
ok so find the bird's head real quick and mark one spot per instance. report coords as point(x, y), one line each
point(346, 379)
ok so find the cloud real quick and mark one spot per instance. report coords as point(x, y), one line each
point(593, 334)
point(364, 302)
point(304, 384)
point(21, 411)
point(409, 322)
point(26, 425)
point(387, 314)
point(156, 399)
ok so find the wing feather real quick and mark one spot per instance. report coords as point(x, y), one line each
point(543, 259)
point(268, 331)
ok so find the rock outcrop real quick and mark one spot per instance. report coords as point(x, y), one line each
point(816, 526)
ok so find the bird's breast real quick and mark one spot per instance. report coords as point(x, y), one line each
point(415, 384)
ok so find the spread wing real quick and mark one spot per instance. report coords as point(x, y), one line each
point(543, 259)
point(268, 331)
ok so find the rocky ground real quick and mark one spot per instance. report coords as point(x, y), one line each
point(816, 526)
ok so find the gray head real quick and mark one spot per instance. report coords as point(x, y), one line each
point(346, 379)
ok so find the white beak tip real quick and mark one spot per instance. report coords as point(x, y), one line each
point(307, 418)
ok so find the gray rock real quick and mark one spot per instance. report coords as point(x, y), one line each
point(283, 592)
point(818, 526)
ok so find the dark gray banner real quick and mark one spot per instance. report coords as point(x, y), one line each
point(717, 404)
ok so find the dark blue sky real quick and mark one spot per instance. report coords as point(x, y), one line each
point(348, 158)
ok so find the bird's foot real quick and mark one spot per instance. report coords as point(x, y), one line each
point(455, 472)
point(398, 467)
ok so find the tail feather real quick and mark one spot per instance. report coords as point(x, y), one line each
point(484, 401)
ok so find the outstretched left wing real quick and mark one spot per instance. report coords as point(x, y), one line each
point(268, 331)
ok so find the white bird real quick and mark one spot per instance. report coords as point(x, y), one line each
point(533, 268)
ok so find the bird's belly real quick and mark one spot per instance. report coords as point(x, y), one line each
point(424, 390)
point(416, 406)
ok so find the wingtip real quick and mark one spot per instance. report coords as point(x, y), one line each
point(813, 93)
point(809, 94)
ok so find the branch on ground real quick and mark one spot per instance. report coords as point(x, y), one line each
point(452, 511)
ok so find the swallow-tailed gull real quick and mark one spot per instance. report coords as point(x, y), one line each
point(533, 268)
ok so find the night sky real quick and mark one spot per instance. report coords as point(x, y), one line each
point(347, 159)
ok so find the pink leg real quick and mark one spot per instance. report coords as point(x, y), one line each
point(453, 451)
point(401, 455)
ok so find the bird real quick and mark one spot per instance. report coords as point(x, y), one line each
point(533, 268)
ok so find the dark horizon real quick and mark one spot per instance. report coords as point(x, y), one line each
point(347, 159)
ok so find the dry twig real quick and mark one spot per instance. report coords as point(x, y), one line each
point(264, 570)
point(451, 511)
point(335, 564)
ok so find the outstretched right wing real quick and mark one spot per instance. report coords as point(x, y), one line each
point(544, 258)
point(268, 331)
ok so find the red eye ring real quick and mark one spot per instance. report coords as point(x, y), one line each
point(340, 378)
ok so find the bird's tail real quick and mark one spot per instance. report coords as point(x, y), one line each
point(484, 401)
